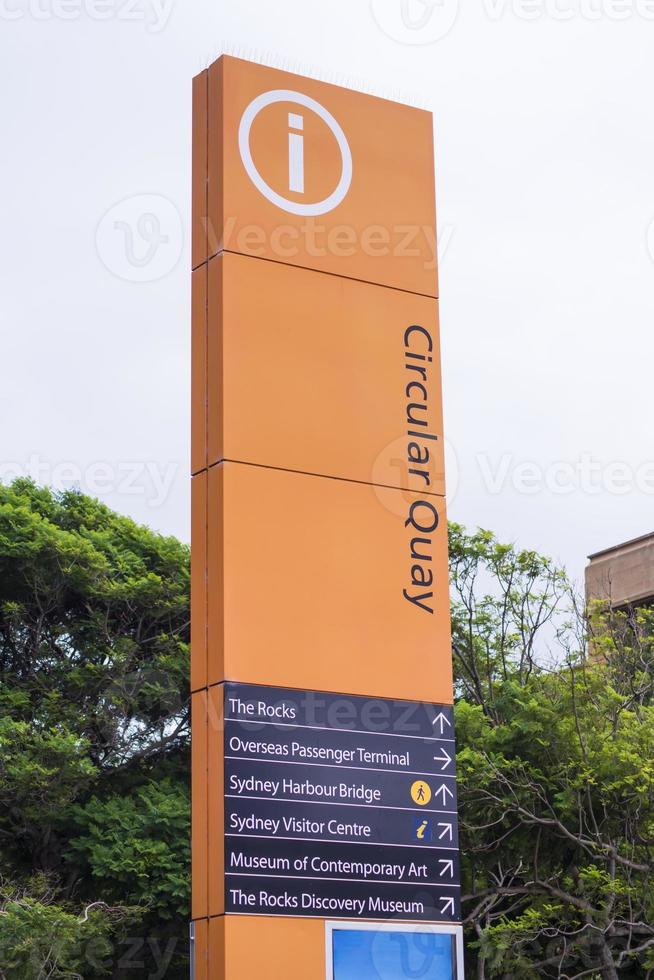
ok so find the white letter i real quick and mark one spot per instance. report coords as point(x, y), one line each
point(296, 153)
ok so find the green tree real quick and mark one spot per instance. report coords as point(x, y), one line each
point(555, 733)
point(138, 847)
point(555, 716)
point(94, 731)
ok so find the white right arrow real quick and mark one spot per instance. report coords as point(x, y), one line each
point(447, 906)
point(447, 829)
point(444, 757)
point(447, 866)
point(445, 791)
point(442, 720)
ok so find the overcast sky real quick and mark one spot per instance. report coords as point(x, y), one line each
point(545, 183)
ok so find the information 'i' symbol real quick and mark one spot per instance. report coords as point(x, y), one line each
point(296, 153)
point(296, 175)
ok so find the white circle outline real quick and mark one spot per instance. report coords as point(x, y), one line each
point(294, 207)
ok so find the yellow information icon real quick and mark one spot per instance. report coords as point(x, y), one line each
point(420, 792)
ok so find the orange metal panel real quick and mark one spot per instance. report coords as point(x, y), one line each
point(199, 250)
point(199, 795)
point(199, 611)
point(323, 585)
point(215, 182)
point(324, 375)
point(215, 580)
point(199, 369)
point(383, 227)
point(201, 953)
point(216, 802)
point(320, 557)
point(249, 948)
point(217, 951)
point(215, 361)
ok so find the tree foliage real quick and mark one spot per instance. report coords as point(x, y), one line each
point(137, 846)
point(556, 768)
point(555, 728)
point(94, 821)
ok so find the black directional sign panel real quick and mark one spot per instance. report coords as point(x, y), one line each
point(339, 806)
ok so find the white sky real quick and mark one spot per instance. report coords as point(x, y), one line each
point(545, 163)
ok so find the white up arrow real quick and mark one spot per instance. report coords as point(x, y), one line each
point(441, 720)
point(445, 791)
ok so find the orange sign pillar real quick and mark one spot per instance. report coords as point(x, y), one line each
point(319, 562)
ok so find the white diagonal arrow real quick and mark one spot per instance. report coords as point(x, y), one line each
point(447, 866)
point(445, 791)
point(447, 829)
point(442, 720)
point(447, 906)
point(444, 757)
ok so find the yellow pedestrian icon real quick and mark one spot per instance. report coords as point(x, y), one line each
point(420, 792)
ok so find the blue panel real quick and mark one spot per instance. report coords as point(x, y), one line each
point(389, 955)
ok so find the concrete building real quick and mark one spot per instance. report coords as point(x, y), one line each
point(623, 574)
